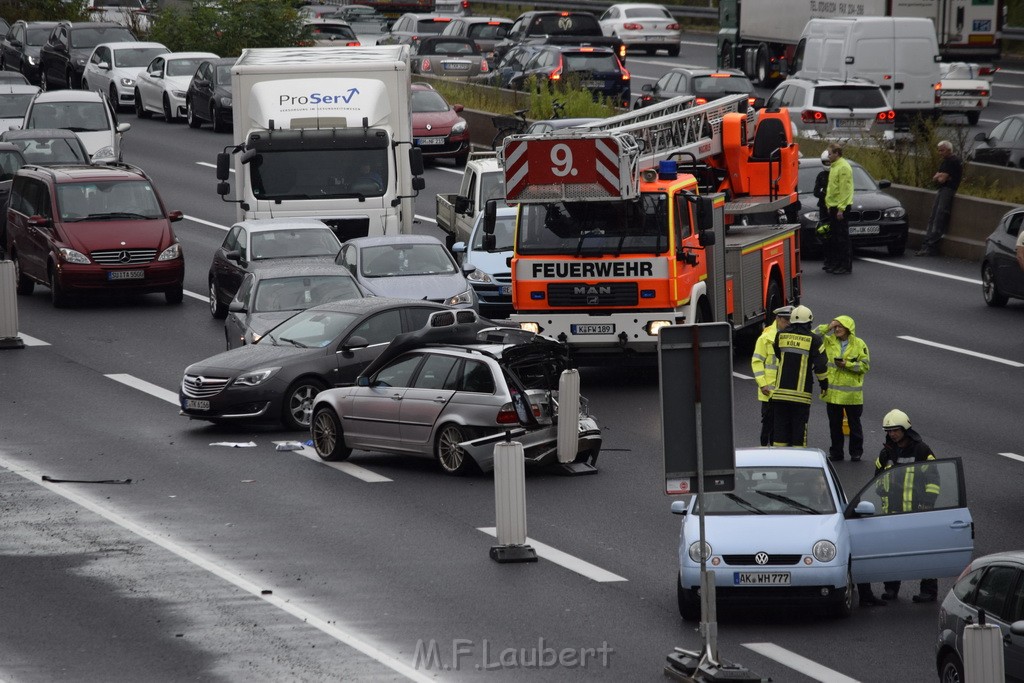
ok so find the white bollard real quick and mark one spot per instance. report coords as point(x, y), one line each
point(9, 338)
point(510, 504)
point(568, 415)
point(983, 653)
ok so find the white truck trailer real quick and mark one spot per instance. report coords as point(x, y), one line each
point(760, 36)
point(326, 133)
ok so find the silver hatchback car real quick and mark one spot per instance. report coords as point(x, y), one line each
point(834, 109)
point(451, 391)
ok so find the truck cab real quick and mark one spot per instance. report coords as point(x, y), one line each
point(482, 180)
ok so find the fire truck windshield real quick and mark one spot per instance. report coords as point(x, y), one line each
point(596, 227)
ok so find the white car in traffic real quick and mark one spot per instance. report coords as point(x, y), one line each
point(161, 88)
point(962, 90)
point(87, 113)
point(113, 68)
point(642, 27)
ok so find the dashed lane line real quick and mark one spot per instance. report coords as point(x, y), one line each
point(278, 598)
point(566, 560)
point(915, 269)
point(145, 387)
point(1013, 456)
point(956, 349)
point(807, 667)
point(32, 341)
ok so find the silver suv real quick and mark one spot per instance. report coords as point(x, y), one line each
point(834, 109)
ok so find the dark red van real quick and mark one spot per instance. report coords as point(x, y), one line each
point(82, 229)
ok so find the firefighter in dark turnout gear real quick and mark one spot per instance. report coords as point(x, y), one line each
point(916, 489)
point(800, 359)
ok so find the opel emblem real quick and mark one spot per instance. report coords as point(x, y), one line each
point(198, 381)
point(124, 257)
point(761, 558)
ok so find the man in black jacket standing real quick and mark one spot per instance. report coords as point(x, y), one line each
point(948, 179)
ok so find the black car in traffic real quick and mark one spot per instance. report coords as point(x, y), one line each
point(208, 98)
point(62, 59)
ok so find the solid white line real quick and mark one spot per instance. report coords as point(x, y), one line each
point(983, 356)
point(225, 228)
point(206, 163)
point(32, 341)
point(456, 171)
point(346, 467)
point(915, 269)
point(279, 598)
point(145, 387)
point(424, 218)
point(805, 666)
point(739, 375)
point(200, 297)
point(1013, 456)
point(564, 559)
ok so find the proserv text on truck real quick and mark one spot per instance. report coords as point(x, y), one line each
point(760, 36)
point(621, 228)
point(325, 133)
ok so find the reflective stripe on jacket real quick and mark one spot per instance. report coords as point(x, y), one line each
point(763, 363)
point(918, 488)
point(800, 359)
point(845, 384)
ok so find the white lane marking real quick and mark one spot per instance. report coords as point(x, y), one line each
point(807, 667)
point(739, 375)
point(208, 164)
point(424, 218)
point(983, 356)
point(456, 171)
point(564, 559)
point(145, 387)
point(1013, 456)
point(225, 228)
point(201, 297)
point(959, 278)
point(346, 467)
point(32, 341)
point(280, 599)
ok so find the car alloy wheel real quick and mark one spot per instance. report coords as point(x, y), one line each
point(169, 116)
point(298, 403)
point(951, 670)
point(993, 297)
point(217, 309)
point(140, 109)
point(58, 297)
point(328, 438)
point(25, 285)
point(190, 116)
point(452, 458)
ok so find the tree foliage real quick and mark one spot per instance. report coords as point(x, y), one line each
point(41, 10)
point(226, 27)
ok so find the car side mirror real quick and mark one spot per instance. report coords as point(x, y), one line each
point(234, 255)
point(468, 268)
point(864, 508)
point(236, 307)
point(223, 166)
point(38, 221)
point(124, 127)
point(981, 137)
point(175, 216)
point(356, 342)
point(647, 87)
point(104, 66)
point(758, 103)
point(1017, 628)
point(489, 242)
point(679, 507)
point(416, 161)
point(458, 248)
point(362, 381)
point(457, 108)
point(418, 183)
point(883, 184)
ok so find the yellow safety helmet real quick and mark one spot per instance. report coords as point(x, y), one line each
point(801, 314)
point(896, 419)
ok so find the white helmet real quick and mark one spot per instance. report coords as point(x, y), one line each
point(801, 314)
point(896, 419)
point(824, 157)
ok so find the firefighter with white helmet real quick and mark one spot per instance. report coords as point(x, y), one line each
point(912, 489)
point(800, 359)
point(765, 367)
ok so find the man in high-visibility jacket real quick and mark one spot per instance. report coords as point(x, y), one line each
point(848, 361)
point(916, 489)
point(839, 200)
point(801, 359)
point(765, 367)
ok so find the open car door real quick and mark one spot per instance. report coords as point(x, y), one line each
point(899, 532)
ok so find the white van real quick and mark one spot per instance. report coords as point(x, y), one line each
point(900, 54)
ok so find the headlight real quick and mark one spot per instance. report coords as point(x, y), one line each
point(811, 216)
point(170, 253)
point(824, 551)
point(466, 298)
point(128, 82)
point(255, 377)
point(894, 213)
point(103, 153)
point(80, 61)
point(31, 60)
point(695, 551)
point(479, 276)
point(72, 256)
point(225, 101)
point(178, 93)
point(458, 128)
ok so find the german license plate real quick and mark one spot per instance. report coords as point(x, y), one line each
point(848, 123)
point(126, 274)
point(863, 229)
point(423, 142)
point(193, 404)
point(603, 328)
point(760, 579)
point(456, 66)
point(593, 84)
point(505, 290)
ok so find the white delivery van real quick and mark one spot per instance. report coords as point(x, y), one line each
point(900, 54)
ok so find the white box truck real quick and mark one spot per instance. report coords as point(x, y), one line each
point(760, 36)
point(326, 133)
point(900, 54)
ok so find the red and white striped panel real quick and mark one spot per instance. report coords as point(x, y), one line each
point(550, 169)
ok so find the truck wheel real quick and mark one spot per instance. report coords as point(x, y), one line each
point(972, 117)
point(772, 300)
point(728, 57)
point(761, 67)
point(673, 51)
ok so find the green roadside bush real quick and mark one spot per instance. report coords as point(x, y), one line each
point(42, 10)
point(537, 98)
point(226, 27)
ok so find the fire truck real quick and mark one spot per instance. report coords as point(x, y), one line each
point(647, 219)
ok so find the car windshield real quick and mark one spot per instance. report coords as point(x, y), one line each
point(131, 57)
point(846, 97)
point(320, 174)
point(566, 24)
point(9, 163)
point(504, 231)
point(134, 4)
point(301, 292)
point(774, 491)
point(722, 85)
point(646, 12)
point(450, 47)
point(333, 30)
point(224, 74)
point(14, 105)
point(107, 200)
point(183, 67)
point(293, 243)
point(75, 116)
point(862, 182)
point(430, 26)
point(590, 61)
point(427, 101)
point(391, 260)
point(310, 329)
point(36, 37)
point(91, 36)
point(492, 30)
point(50, 151)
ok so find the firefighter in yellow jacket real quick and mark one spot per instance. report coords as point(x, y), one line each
point(800, 359)
point(765, 367)
point(848, 361)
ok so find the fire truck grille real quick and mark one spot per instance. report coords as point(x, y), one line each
point(581, 295)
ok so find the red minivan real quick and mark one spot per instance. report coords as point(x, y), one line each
point(82, 229)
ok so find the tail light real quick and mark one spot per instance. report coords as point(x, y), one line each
point(507, 414)
point(622, 51)
point(672, 27)
point(938, 93)
point(813, 116)
point(483, 66)
point(352, 43)
point(701, 100)
point(425, 64)
point(983, 93)
point(750, 101)
point(625, 72)
point(633, 27)
point(987, 70)
point(555, 75)
point(465, 4)
point(886, 117)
